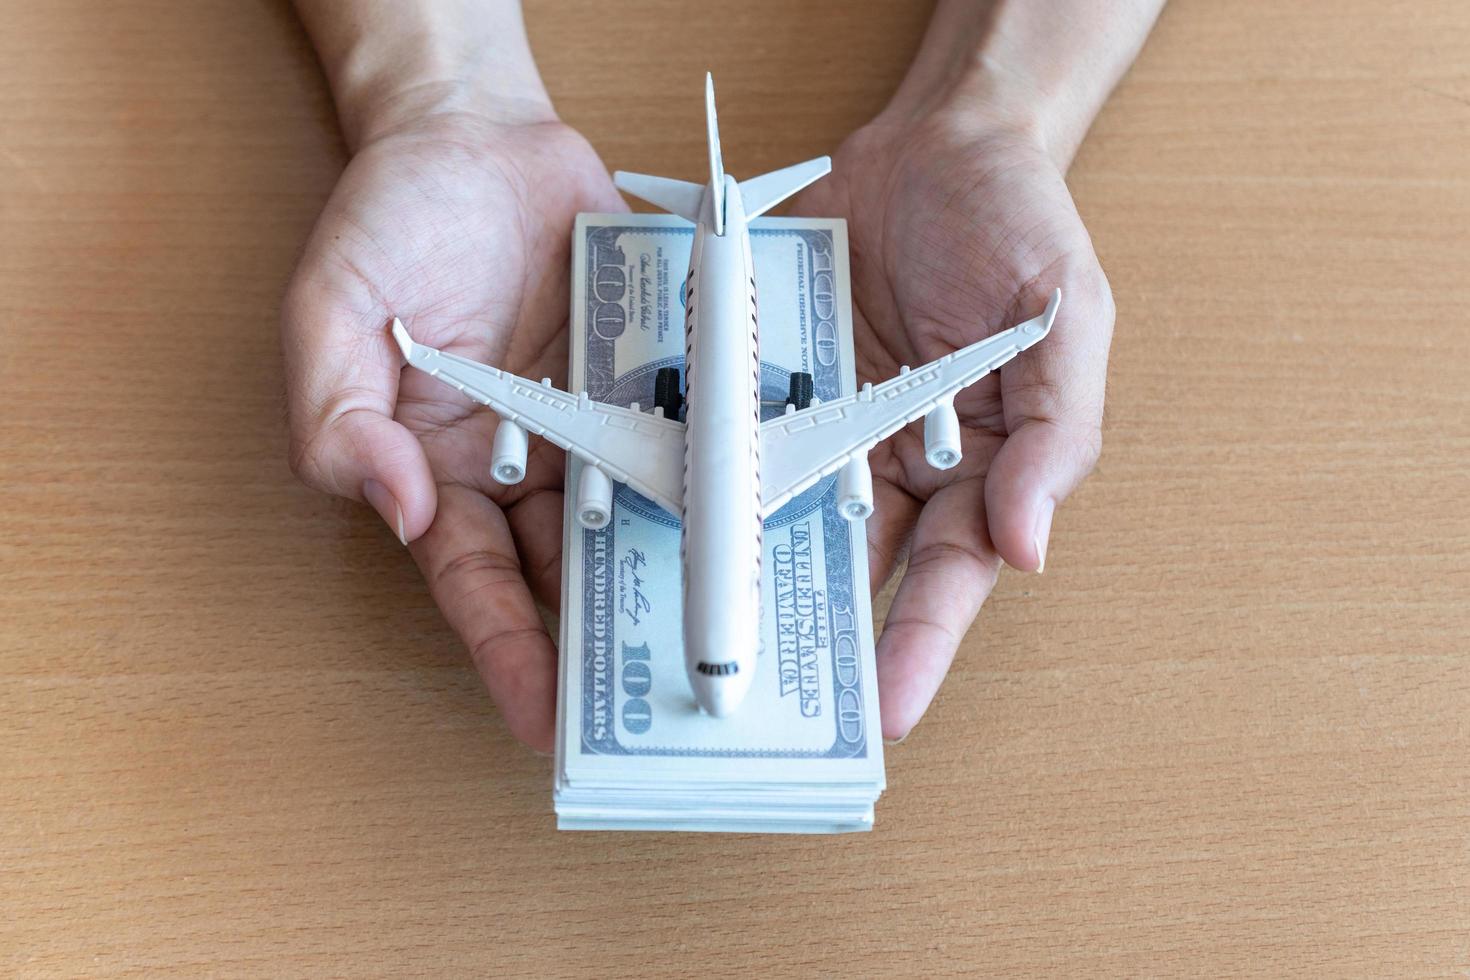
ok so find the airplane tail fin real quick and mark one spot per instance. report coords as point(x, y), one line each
point(716, 163)
point(758, 194)
point(680, 196)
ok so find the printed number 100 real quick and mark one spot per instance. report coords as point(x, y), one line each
point(637, 681)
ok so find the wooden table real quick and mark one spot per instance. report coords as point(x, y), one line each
point(1225, 733)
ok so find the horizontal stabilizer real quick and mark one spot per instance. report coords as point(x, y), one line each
point(674, 196)
point(762, 193)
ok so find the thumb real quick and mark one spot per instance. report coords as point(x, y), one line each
point(342, 384)
point(1053, 402)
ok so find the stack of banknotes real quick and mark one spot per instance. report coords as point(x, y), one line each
point(804, 752)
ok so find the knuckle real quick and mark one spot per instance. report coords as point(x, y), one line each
point(1046, 389)
point(942, 555)
point(298, 457)
point(322, 437)
point(306, 453)
point(1090, 448)
point(481, 568)
point(1077, 445)
point(487, 651)
point(1096, 295)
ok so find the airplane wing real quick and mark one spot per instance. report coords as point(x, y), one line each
point(644, 451)
point(799, 448)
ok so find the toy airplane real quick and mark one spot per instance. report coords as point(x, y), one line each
point(719, 468)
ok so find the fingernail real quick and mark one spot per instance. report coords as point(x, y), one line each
point(1043, 533)
point(387, 507)
point(899, 740)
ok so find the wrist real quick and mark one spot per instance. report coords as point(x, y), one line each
point(1020, 68)
point(383, 107)
point(391, 66)
point(973, 95)
point(973, 110)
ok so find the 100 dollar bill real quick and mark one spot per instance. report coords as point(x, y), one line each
point(625, 705)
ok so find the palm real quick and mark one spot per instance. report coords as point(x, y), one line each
point(468, 243)
point(462, 229)
point(952, 238)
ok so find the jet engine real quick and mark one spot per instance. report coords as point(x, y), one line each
point(855, 489)
point(942, 437)
point(594, 498)
point(508, 454)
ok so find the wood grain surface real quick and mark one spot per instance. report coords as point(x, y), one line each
point(1226, 733)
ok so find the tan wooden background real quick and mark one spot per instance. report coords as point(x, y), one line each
point(1225, 733)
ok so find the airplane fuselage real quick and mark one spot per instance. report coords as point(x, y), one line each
point(721, 546)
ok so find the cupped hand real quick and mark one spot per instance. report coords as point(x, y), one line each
point(959, 229)
point(461, 226)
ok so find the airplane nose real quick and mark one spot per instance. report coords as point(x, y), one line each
point(721, 688)
point(718, 696)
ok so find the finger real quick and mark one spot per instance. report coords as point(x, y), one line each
point(951, 570)
point(888, 531)
point(342, 374)
point(536, 523)
point(470, 562)
point(1053, 401)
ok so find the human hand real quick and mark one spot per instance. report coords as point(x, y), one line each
point(961, 226)
point(461, 225)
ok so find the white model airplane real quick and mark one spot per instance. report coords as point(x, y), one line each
point(721, 469)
